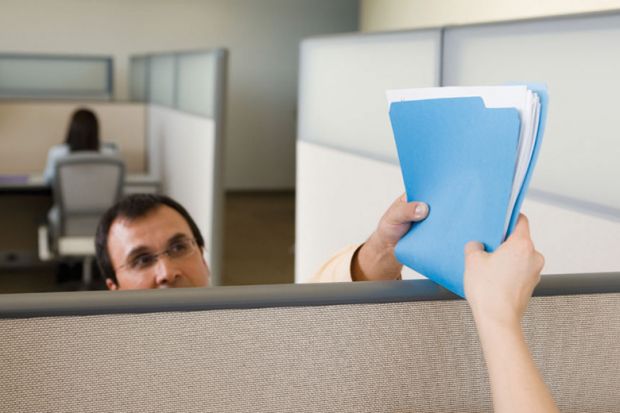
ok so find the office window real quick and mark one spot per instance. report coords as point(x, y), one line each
point(55, 77)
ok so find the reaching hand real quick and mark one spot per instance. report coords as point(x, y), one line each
point(375, 259)
point(499, 285)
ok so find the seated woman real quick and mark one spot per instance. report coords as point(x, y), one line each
point(83, 135)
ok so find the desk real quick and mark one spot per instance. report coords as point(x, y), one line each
point(24, 203)
point(34, 184)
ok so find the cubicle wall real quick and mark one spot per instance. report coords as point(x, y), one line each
point(344, 183)
point(29, 128)
point(187, 147)
point(579, 59)
point(185, 96)
point(39, 92)
point(402, 346)
point(346, 171)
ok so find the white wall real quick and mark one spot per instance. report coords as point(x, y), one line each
point(380, 15)
point(336, 209)
point(187, 148)
point(262, 36)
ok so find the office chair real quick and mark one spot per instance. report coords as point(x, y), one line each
point(85, 185)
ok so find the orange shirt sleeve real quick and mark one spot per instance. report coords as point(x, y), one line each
point(337, 268)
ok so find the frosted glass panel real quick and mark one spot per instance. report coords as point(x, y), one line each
point(579, 59)
point(138, 76)
point(54, 77)
point(197, 82)
point(343, 81)
point(161, 80)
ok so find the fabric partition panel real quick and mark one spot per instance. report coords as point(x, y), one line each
point(30, 128)
point(188, 152)
point(347, 172)
point(402, 346)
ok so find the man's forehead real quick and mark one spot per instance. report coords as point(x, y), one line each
point(151, 230)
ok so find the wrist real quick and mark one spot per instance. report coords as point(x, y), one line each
point(373, 261)
point(487, 319)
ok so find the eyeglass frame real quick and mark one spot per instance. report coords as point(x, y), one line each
point(166, 252)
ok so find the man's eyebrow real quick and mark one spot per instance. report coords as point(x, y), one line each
point(141, 249)
point(138, 251)
point(178, 237)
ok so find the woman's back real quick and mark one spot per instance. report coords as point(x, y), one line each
point(82, 135)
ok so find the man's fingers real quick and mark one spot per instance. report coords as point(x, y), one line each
point(522, 229)
point(473, 246)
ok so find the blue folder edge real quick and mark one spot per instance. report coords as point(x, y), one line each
point(541, 91)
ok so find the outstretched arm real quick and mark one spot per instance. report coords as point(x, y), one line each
point(498, 287)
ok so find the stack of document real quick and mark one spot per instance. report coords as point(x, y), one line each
point(469, 152)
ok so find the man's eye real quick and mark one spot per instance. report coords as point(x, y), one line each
point(179, 248)
point(143, 261)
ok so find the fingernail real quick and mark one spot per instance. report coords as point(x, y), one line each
point(421, 210)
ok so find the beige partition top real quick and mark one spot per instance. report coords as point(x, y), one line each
point(28, 129)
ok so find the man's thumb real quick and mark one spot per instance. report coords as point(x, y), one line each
point(473, 246)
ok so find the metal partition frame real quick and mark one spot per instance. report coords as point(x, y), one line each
point(215, 109)
point(269, 296)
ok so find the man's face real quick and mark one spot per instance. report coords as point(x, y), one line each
point(136, 247)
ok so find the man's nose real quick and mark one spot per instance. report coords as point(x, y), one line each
point(166, 272)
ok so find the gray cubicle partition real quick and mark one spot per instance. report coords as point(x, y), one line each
point(364, 347)
point(186, 97)
point(579, 59)
point(347, 171)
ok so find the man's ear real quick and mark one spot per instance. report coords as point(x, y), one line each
point(111, 284)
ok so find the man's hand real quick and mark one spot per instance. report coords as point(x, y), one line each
point(375, 259)
point(498, 286)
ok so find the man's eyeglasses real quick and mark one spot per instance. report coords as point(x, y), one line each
point(177, 250)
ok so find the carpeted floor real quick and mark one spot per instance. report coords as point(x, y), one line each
point(259, 238)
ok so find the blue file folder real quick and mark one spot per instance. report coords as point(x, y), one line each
point(459, 157)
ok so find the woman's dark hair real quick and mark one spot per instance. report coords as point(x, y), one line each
point(133, 207)
point(83, 133)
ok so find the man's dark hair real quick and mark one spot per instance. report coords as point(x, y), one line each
point(133, 207)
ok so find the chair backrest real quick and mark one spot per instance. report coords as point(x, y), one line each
point(85, 185)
